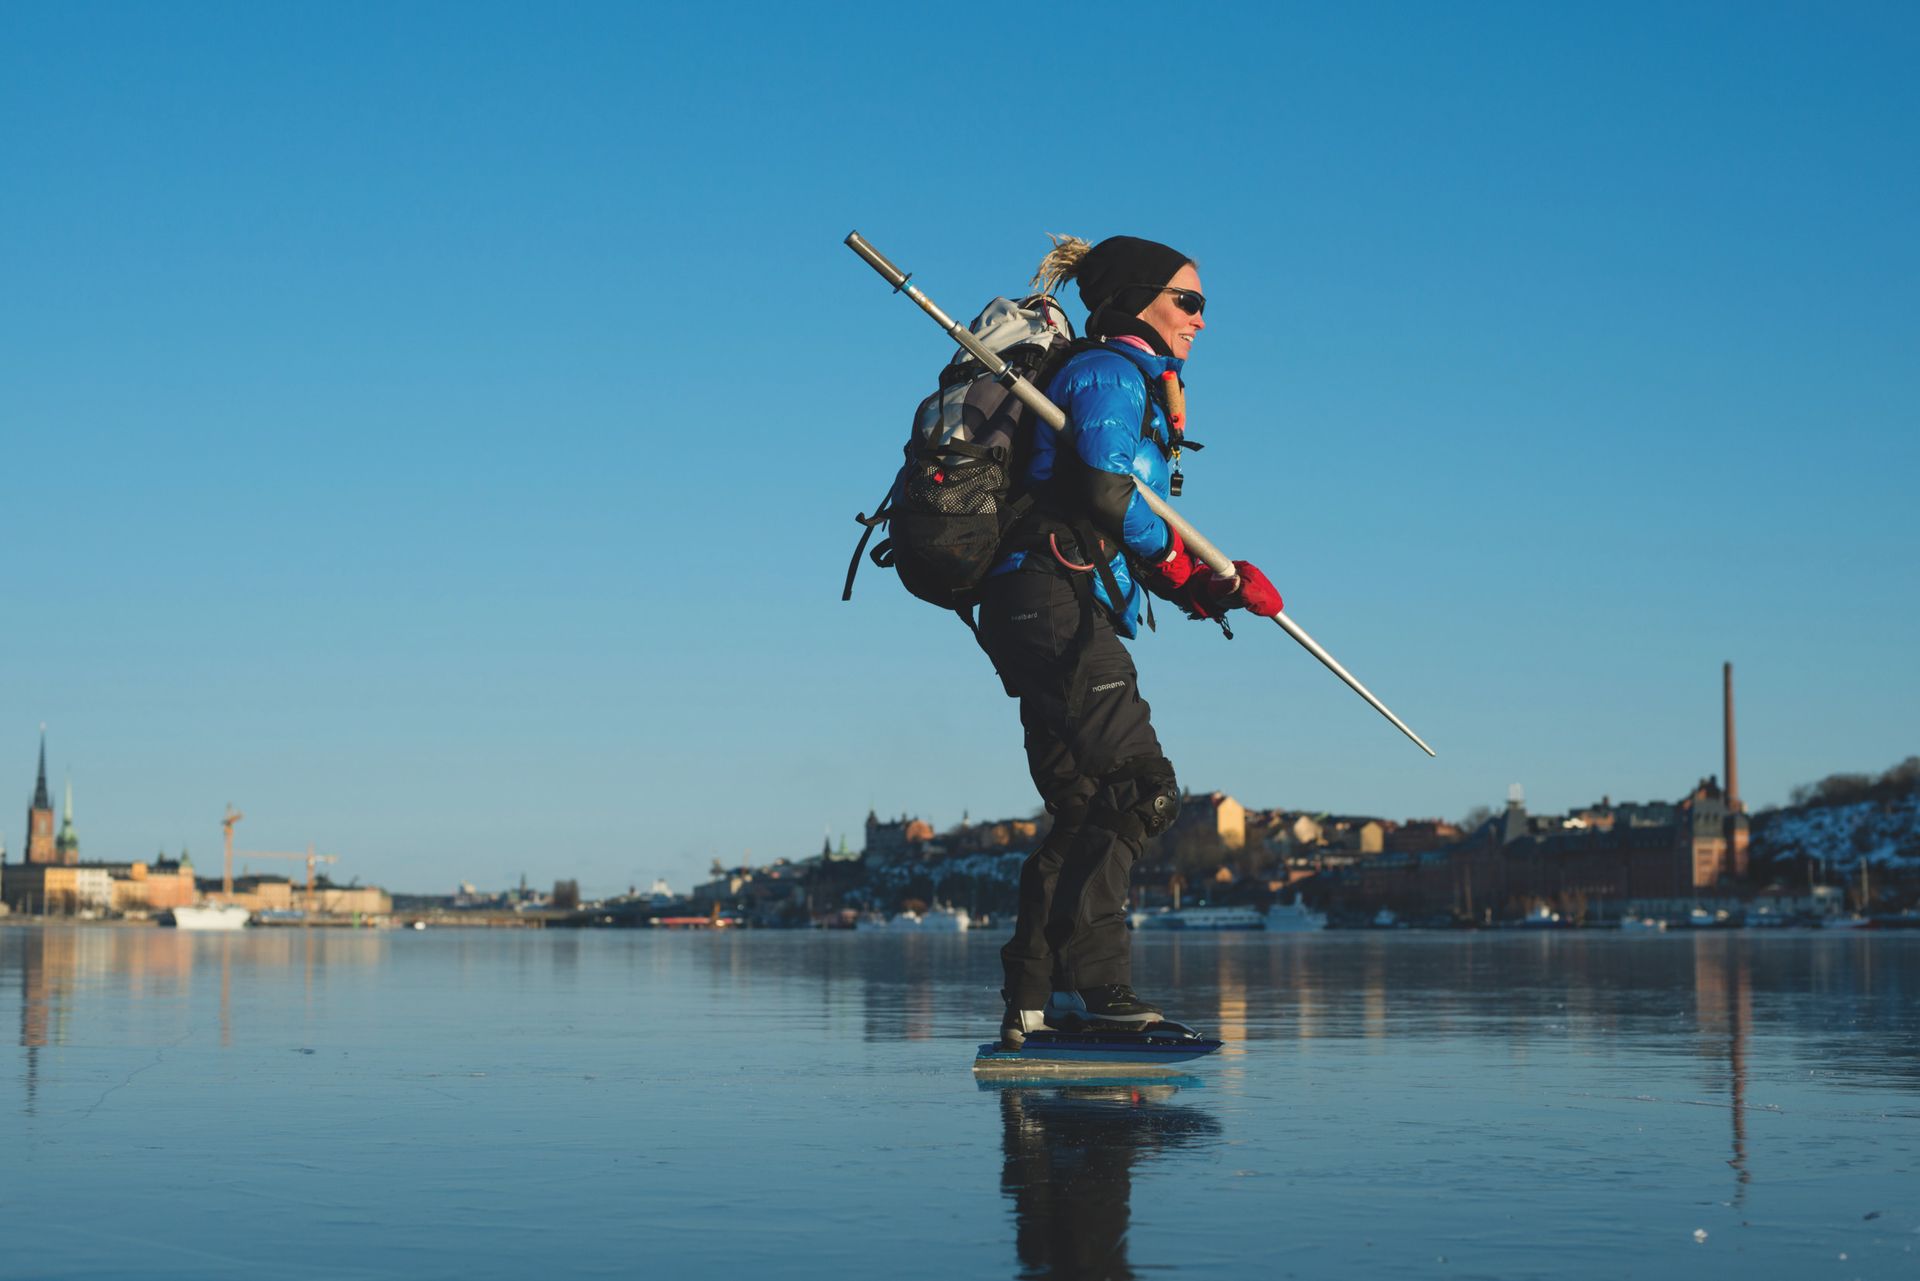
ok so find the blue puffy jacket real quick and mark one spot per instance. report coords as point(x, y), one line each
point(1104, 393)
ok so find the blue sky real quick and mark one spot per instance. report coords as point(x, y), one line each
point(434, 428)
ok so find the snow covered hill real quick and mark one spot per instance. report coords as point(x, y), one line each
point(1886, 833)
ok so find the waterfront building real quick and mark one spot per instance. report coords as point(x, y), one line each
point(1516, 861)
point(1604, 861)
point(328, 899)
point(281, 894)
point(152, 887)
point(58, 888)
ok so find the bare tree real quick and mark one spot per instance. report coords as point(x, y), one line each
point(1848, 789)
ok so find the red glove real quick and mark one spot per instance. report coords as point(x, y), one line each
point(1208, 595)
point(1166, 576)
point(1257, 595)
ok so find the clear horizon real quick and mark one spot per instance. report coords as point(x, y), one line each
point(436, 431)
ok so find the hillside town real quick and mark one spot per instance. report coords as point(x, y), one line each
point(1699, 859)
point(1846, 851)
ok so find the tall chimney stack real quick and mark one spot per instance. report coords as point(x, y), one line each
point(1733, 764)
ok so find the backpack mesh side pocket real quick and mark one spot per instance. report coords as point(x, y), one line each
point(946, 532)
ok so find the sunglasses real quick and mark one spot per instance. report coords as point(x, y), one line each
point(1191, 301)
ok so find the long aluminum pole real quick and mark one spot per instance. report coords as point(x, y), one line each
point(1197, 543)
point(1214, 557)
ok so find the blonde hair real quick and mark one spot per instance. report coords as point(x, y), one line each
point(1061, 264)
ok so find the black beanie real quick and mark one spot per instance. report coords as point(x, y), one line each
point(1118, 278)
point(1121, 269)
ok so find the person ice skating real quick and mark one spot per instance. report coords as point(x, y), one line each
point(1052, 616)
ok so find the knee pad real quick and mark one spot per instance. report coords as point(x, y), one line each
point(1140, 798)
point(1159, 802)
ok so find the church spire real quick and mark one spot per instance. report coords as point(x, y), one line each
point(40, 814)
point(40, 801)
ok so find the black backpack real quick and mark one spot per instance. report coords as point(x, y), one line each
point(957, 498)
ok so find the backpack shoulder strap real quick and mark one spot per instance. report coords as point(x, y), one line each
point(880, 516)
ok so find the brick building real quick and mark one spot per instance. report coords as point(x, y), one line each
point(892, 842)
point(1516, 861)
point(152, 887)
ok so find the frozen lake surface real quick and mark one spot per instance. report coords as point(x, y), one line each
point(470, 1104)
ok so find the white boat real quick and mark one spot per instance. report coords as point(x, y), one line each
point(935, 920)
point(208, 916)
point(1843, 922)
point(1201, 918)
point(1293, 917)
point(1642, 925)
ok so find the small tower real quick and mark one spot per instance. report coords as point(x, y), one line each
point(67, 844)
point(1514, 823)
point(40, 847)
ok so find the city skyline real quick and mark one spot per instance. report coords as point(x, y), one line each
point(1727, 776)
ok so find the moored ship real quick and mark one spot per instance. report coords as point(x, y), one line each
point(1293, 917)
point(1201, 918)
point(208, 916)
point(935, 920)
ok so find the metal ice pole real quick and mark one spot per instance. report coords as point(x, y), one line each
point(1197, 543)
point(1215, 559)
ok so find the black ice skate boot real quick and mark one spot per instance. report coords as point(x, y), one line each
point(1016, 1023)
point(1106, 1005)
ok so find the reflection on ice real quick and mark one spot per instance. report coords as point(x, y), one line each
point(1069, 1159)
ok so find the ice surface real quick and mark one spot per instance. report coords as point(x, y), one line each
point(472, 1104)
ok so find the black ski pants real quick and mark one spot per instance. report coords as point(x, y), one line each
point(1097, 764)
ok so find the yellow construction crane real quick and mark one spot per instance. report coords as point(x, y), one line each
point(226, 826)
point(309, 858)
